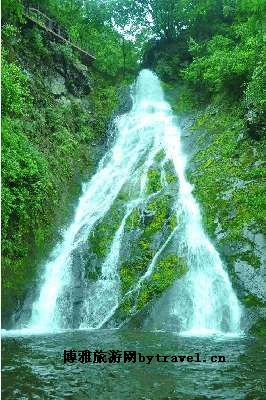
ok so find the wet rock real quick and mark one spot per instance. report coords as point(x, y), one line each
point(233, 248)
point(259, 163)
point(253, 316)
point(259, 243)
point(234, 184)
point(77, 80)
point(241, 247)
point(125, 100)
point(251, 279)
point(65, 101)
point(57, 84)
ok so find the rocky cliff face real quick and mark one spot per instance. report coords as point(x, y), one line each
point(226, 168)
point(65, 126)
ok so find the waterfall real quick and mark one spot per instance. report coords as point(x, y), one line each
point(203, 300)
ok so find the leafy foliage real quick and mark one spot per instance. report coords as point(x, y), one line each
point(51, 140)
point(12, 11)
point(16, 95)
point(89, 25)
point(216, 46)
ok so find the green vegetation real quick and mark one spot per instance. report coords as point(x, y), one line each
point(54, 124)
point(162, 221)
point(154, 181)
point(146, 229)
point(134, 219)
point(56, 109)
point(259, 329)
point(217, 47)
point(103, 233)
point(211, 57)
point(167, 270)
point(225, 161)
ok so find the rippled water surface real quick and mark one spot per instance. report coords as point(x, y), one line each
point(33, 367)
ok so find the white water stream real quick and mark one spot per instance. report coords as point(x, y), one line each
point(203, 300)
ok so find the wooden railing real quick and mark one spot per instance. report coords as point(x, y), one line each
point(52, 27)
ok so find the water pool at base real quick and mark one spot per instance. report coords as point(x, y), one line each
point(33, 367)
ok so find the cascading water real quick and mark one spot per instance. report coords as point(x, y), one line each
point(203, 300)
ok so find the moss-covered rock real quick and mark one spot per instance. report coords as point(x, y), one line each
point(54, 133)
point(259, 328)
point(167, 270)
point(228, 173)
point(154, 181)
